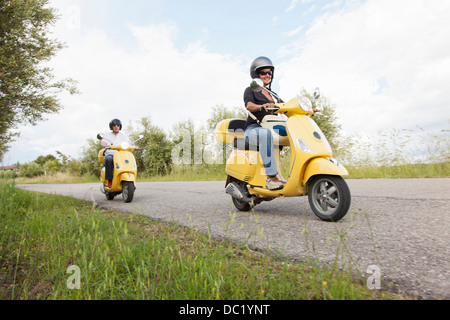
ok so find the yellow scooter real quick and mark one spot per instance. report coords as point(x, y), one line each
point(125, 171)
point(312, 169)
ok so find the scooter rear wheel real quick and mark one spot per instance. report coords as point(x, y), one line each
point(329, 197)
point(241, 205)
point(109, 196)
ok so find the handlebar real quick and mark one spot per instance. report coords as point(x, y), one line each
point(278, 108)
point(120, 148)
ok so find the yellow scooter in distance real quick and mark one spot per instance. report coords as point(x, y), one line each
point(312, 169)
point(124, 174)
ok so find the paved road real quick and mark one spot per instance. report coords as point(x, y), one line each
point(401, 226)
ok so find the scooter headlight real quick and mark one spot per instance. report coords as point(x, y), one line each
point(125, 145)
point(303, 146)
point(304, 103)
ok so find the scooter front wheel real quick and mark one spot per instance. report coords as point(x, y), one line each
point(128, 191)
point(329, 197)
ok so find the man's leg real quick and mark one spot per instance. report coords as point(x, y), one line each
point(109, 168)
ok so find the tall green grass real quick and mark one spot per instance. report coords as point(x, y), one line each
point(398, 154)
point(54, 178)
point(126, 256)
point(198, 172)
point(421, 170)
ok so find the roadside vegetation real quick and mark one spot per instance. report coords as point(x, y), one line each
point(126, 256)
point(191, 153)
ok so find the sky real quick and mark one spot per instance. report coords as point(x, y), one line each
point(383, 64)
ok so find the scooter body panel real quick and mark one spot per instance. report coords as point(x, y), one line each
point(305, 128)
point(247, 166)
point(307, 142)
point(124, 170)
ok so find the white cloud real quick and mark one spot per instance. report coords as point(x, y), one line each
point(150, 78)
point(294, 32)
point(331, 5)
point(385, 64)
point(292, 5)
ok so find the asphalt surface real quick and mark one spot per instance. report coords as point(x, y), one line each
point(399, 226)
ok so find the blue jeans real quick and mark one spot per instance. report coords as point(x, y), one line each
point(109, 167)
point(255, 136)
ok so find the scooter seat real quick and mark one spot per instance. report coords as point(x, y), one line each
point(240, 143)
point(236, 124)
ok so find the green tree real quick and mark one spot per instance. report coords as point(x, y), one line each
point(183, 137)
point(74, 167)
point(220, 112)
point(41, 160)
point(191, 145)
point(53, 166)
point(154, 158)
point(89, 158)
point(27, 86)
point(326, 119)
point(63, 159)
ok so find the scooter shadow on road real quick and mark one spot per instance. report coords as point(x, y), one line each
point(293, 207)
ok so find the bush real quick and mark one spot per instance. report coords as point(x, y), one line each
point(29, 170)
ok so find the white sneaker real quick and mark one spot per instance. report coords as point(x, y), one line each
point(273, 183)
point(284, 181)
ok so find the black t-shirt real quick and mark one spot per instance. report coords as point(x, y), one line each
point(256, 98)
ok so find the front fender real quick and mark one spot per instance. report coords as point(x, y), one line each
point(323, 166)
point(127, 176)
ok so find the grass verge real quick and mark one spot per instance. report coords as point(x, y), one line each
point(431, 170)
point(47, 241)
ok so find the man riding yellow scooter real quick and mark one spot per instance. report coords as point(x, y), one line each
point(119, 172)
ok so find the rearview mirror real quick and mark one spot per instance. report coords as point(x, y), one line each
point(139, 138)
point(316, 93)
point(100, 136)
point(257, 85)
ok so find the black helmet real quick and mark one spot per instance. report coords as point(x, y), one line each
point(115, 122)
point(259, 63)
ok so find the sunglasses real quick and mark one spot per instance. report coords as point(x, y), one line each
point(263, 73)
